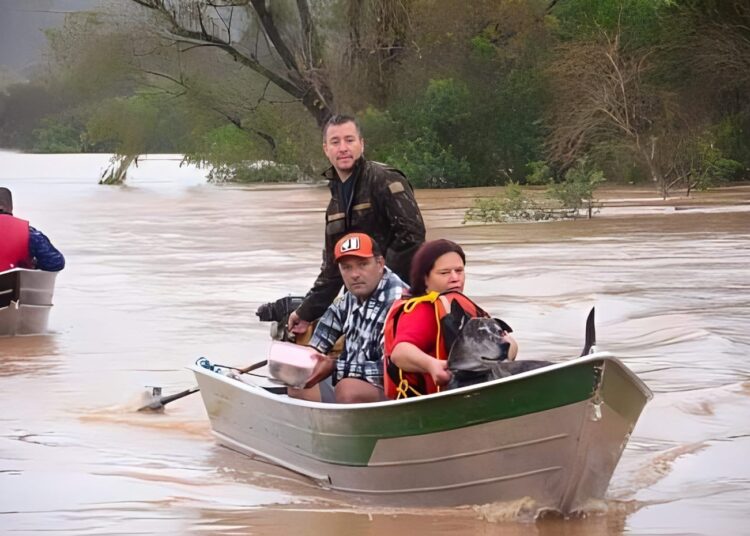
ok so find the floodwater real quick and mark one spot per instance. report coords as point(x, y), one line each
point(169, 268)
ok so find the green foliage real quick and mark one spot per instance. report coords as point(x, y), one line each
point(379, 128)
point(483, 47)
point(515, 129)
point(26, 107)
point(709, 167)
point(730, 135)
point(429, 164)
point(226, 144)
point(728, 169)
point(511, 205)
point(90, 58)
point(444, 106)
point(417, 137)
point(140, 124)
point(257, 171)
point(269, 149)
point(539, 173)
point(58, 136)
point(453, 135)
point(576, 190)
point(454, 94)
point(234, 155)
point(587, 18)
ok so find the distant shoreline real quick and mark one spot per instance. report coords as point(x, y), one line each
point(613, 199)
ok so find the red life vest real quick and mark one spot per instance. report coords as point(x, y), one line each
point(14, 243)
point(398, 383)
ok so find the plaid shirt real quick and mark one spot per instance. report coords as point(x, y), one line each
point(362, 326)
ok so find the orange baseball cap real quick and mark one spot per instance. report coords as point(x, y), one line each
point(355, 244)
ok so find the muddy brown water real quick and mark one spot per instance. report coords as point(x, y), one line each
point(168, 268)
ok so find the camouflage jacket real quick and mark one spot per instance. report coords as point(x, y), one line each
point(383, 206)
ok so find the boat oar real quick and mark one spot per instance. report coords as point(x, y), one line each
point(158, 402)
point(589, 347)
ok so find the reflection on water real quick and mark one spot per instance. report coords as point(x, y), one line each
point(170, 268)
point(36, 355)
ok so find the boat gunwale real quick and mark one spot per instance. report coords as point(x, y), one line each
point(258, 390)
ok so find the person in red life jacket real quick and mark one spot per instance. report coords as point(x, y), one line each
point(420, 330)
point(22, 246)
point(371, 288)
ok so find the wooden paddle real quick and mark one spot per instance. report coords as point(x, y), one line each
point(157, 402)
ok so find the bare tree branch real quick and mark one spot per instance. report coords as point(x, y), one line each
point(302, 76)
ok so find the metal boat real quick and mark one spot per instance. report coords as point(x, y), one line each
point(25, 301)
point(553, 434)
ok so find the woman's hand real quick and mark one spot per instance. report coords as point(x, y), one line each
point(438, 369)
point(411, 359)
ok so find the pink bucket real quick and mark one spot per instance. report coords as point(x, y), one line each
point(291, 363)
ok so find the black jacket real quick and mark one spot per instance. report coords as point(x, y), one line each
point(383, 206)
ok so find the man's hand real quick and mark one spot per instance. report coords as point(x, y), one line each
point(323, 368)
point(296, 325)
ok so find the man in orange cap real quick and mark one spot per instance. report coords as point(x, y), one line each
point(359, 314)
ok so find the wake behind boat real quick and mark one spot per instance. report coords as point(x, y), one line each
point(25, 301)
point(553, 434)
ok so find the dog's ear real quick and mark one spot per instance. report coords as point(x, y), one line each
point(503, 325)
point(453, 323)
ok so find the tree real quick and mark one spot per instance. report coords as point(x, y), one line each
point(718, 39)
point(468, 96)
point(576, 191)
point(375, 37)
point(604, 96)
point(278, 40)
point(142, 96)
point(711, 43)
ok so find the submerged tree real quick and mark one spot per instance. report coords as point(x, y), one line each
point(615, 103)
point(660, 80)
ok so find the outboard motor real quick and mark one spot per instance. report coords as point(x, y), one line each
point(277, 313)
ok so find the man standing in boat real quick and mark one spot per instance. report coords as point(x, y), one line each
point(367, 197)
point(22, 246)
point(371, 288)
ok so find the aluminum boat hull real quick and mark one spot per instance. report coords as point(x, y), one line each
point(25, 301)
point(554, 435)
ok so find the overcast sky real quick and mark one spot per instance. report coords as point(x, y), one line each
point(22, 23)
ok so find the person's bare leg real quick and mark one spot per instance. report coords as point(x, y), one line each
point(353, 391)
point(311, 394)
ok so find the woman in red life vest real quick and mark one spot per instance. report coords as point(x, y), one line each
point(417, 338)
